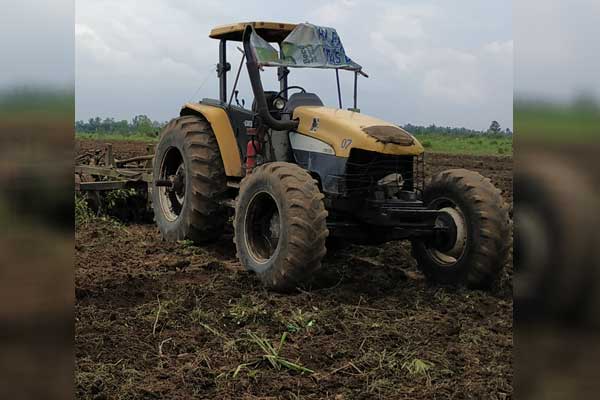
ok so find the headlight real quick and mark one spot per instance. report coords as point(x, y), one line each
point(279, 103)
point(392, 185)
point(392, 181)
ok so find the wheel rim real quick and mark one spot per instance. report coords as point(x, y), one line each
point(172, 198)
point(262, 227)
point(449, 254)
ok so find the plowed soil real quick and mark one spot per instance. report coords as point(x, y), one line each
point(171, 320)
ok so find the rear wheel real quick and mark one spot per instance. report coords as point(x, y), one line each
point(476, 249)
point(280, 227)
point(188, 159)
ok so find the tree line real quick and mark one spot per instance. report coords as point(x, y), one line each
point(143, 125)
point(494, 129)
point(139, 125)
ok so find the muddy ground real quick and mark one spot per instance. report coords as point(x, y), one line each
point(171, 320)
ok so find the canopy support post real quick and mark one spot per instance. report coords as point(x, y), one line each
point(222, 69)
point(355, 88)
point(339, 90)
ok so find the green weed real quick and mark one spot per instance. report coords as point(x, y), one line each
point(301, 321)
point(270, 355)
point(186, 243)
point(83, 214)
point(119, 197)
point(198, 315)
point(247, 309)
point(417, 366)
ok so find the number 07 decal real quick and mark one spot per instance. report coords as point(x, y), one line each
point(346, 143)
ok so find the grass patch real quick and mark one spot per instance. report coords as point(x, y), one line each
point(37, 103)
point(466, 144)
point(557, 122)
point(432, 142)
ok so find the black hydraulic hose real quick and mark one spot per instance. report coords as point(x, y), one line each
point(259, 94)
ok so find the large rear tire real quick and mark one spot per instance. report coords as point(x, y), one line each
point(280, 227)
point(481, 242)
point(188, 154)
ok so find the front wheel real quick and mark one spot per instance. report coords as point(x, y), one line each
point(479, 243)
point(280, 227)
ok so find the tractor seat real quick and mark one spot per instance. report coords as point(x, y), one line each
point(301, 99)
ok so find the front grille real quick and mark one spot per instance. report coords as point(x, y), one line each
point(365, 169)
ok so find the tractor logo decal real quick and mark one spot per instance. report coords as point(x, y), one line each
point(346, 143)
point(315, 125)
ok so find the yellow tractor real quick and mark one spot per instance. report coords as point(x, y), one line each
point(298, 176)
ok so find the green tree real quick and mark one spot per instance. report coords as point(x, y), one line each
point(495, 127)
point(142, 124)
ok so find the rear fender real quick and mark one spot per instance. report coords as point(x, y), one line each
point(221, 126)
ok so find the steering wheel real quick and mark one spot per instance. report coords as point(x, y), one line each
point(289, 88)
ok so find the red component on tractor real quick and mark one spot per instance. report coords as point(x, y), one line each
point(252, 149)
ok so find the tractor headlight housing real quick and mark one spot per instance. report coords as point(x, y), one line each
point(392, 180)
point(391, 185)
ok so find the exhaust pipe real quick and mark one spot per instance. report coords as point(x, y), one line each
point(257, 88)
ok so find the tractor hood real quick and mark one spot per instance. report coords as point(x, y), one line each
point(344, 130)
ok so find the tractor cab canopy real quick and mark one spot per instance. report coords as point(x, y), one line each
point(302, 45)
point(307, 46)
point(270, 31)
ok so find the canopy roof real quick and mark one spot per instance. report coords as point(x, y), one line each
point(307, 45)
point(270, 31)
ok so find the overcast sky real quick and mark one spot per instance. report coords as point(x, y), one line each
point(557, 50)
point(430, 62)
point(448, 63)
point(36, 43)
